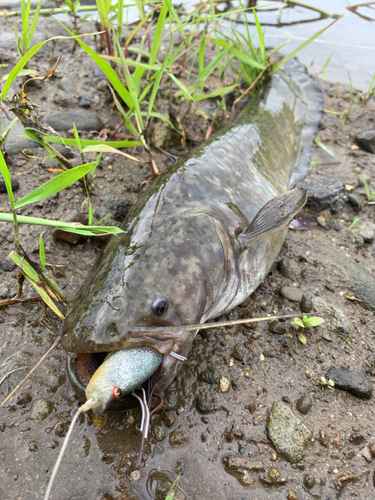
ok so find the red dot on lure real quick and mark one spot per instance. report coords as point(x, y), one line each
point(116, 391)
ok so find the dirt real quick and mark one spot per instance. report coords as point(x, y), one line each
point(201, 428)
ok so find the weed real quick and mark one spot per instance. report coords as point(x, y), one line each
point(326, 383)
point(306, 321)
point(24, 41)
point(354, 223)
point(370, 196)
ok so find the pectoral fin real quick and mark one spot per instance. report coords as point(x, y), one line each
point(275, 215)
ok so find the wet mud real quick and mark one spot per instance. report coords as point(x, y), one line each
point(213, 428)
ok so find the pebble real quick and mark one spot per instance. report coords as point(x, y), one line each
point(324, 219)
point(160, 134)
point(237, 354)
point(292, 495)
point(354, 382)
point(159, 433)
point(356, 438)
point(367, 232)
point(304, 404)
point(84, 102)
point(210, 375)
point(366, 140)
point(7, 265)
point(309, 481)
point(67, 85)
point(287, 433)
point(235, 462)
point(84, 121)
point(323, 437)
point(367, 455)
point(224, 384)
point(14, 182)
point(372, 449)
point(168, 419)
point(306, 305)
point(274, 475)
point(335, 226)
point(205, 406)
point(325, 193)
point(279, 327)
point(309, 273)
point(284, 267)
point(41, 409)
point(4, 292)
point(178, 438)
point(291, 293)
point(355, 201)
point(335, 320)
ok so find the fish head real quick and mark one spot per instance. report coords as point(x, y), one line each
point(160, 274)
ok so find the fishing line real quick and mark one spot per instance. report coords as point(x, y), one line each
point(87, 406)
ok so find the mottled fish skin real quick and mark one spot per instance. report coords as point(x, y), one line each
point(181, 237)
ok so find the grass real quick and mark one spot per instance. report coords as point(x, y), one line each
point(138, 90)
point(370, 196)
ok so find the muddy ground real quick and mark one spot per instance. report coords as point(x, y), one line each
point(201, 430)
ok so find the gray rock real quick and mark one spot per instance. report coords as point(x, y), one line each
point(84, 121)
point(361, 281)
point(204, 406)
point(278, 327)
point(335, 320)
point(41, 409)
point(309, 273)
point(17, 141)
point(325, 219)
point(306, 304)
point(210, 375)
point(291, 293)
point(7, 265)
point(159, 433)
point(366, 140)
point(178, 438)
point(325, 193)
point(284, 267)
point(355, 201)
point(367, 231)
point(4, 292)
point(85, 101)
point(366, 453)
point(304, 404)
point(287, 433)
point(14, 182)
point(354, 382)
point(67, 85)
point(168, 419)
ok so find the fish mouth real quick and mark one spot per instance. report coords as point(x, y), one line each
point(82, 366)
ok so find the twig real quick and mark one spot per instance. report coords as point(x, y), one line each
point(54, 345)
point(355, 5)
point(8, 302)
point(205, 326)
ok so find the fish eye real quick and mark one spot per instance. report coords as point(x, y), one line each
point(116, 391)
point(159, 307)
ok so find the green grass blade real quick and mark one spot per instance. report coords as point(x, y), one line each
point(7, 130)
point(172, 491)
point(158, 33)
point(76, 136)
point(8, 182)
point(23, 72)
point(124, 116)
point(324, 147)
point(261, 38)
point(42, 253)
point(239, 55)
point(104, 148)
point(158, 78)
point(89, 142)
point(120, 17)
point(56, 184)
point(278, 65)
point(216, 93)
point(33, 24)
point(184, 90)
point(64, 226)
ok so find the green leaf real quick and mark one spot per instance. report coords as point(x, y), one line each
point(217, 93)
point(42, 253)
point(158, 33)
point(314, 321)
point(89, 142)
point(8, 182)
point(56, 184)
point(33, 24)
point(76, 136)
point(23, 72)
point(64, 226)
point(302, 338)
point(297, 322)
point(172, 491)
point(239, 55)
point(324, 147)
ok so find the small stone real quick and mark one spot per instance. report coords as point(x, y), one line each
point(168, 419)
point(84, 121)
point(41, 409)
point(279, 327)
point(309, 481)
point(246, 479)
point(355, 201)
point(205, 406)
point(354, 382)
point(304, 404)
point(4, 292)
point(366, 140)
point(210, 375)
point(84, 102)
point(292, 495)
point(235, 462)
point(224, 384)
point(356, 438)
point(160, 134)
point(284, 267)
point(67, 85)
point(335, 319)
point(367, 232)
point(309, 273)
point(325, 193)
point(33, 446)
point(287, 433)
point(256, 335)
point(135, 475)
point(335, 226)
point(366, 453)
point(274, 475)
point(360, 164)
point(291, 293)
point(7, 265)
point(159, 433)
point(325, 219)
point(372, 449)
point(15, 185)
point(306, 305)
point(178, 438)
point(237, 354)
point(323, 437)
